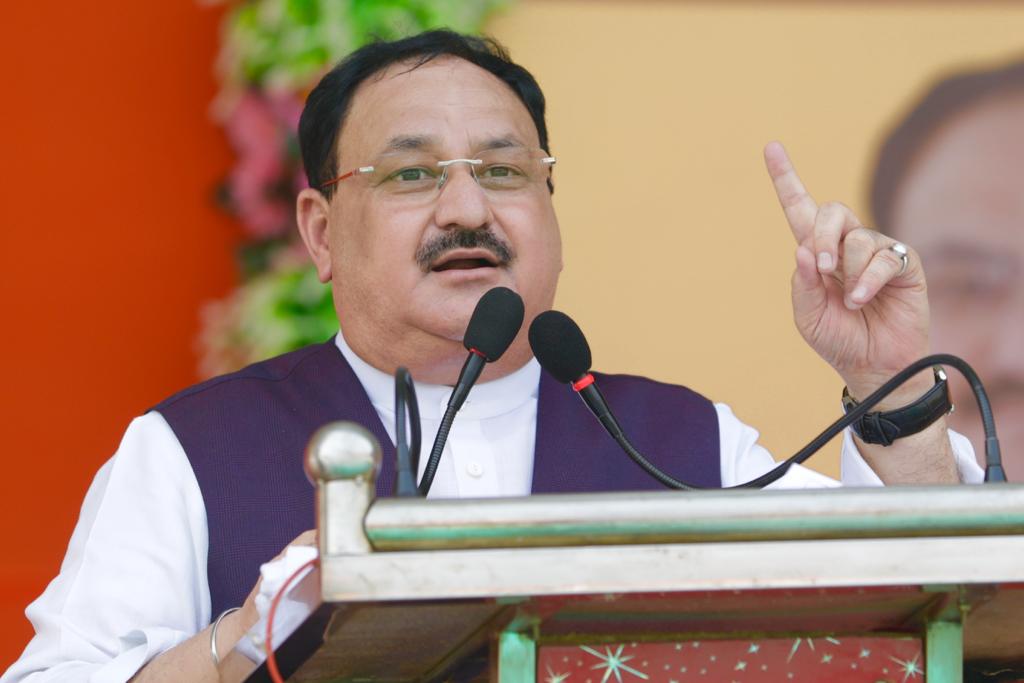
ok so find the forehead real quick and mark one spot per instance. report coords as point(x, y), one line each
point(458, 104)
point(967, 182)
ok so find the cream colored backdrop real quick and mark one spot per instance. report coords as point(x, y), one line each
point(678, 258)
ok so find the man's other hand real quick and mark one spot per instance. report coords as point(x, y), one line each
point(191, 661)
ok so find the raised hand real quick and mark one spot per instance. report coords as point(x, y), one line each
point(854, 302)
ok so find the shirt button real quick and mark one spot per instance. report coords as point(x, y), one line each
point(475, 469)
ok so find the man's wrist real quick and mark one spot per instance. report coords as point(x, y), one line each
point(884, 427)
point(228, 630)
point(923, 458)
point(862, 386)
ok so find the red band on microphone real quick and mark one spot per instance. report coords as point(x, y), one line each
point(583, 382)
point(478, 353)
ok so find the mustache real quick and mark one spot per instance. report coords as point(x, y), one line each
point(430, 252)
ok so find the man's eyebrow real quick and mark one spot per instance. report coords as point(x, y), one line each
point(964, 250)
point(405, 143)
point(415, 143)
point(959, 251)
point(502, 142)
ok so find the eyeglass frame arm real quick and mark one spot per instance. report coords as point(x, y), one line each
point(343, 176)
point(550, 161)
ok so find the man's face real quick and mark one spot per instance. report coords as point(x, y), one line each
point(393, 278)
point(962, 208)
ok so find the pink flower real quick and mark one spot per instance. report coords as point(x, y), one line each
point(262, 184)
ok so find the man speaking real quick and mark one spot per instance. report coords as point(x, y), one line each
point(430, 183)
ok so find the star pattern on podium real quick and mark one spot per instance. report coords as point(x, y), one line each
point(552, 677)
point(854, 659)
point(613, 663)
point(810, 643)
point(796, 646)
point(909, 667)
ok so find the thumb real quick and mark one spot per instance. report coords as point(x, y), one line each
point(809, 294)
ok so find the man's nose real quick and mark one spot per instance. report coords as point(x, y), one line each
point(462, 203)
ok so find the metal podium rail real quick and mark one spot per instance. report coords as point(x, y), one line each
point(410, 589)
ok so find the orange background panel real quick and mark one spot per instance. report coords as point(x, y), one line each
point(110, 243)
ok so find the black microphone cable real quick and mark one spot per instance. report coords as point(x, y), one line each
point(492, 327)
point(407, 455)
point(562, 350)
point(994, 471)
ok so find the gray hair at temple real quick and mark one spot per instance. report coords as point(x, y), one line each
point(946, 99)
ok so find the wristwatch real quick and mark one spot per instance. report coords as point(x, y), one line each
point(885, 427)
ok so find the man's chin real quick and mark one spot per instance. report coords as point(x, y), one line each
point(446, 319)
point(444, 302)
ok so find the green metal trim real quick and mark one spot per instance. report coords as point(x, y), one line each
point(808, 527)
point(517, 657)
point(944, 652)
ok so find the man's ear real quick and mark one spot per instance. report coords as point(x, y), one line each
point(311, 212)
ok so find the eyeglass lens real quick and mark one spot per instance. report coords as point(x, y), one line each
point(499, 170)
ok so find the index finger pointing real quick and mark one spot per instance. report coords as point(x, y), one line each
point(798, 204)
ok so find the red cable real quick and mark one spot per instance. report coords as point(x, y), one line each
point(268, 644)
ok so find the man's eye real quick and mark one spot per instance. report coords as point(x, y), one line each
point(501, 171)
point(406, 175)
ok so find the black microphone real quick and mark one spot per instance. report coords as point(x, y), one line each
point(494, 324)
point(492, 327)
point(562, 350)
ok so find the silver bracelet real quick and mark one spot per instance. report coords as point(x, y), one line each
point(213, 635)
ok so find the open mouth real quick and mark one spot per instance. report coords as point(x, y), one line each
point(462, 259)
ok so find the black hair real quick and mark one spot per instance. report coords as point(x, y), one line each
point(904, 144)
point(329, 102)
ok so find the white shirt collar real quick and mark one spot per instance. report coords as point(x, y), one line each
point(487, 399)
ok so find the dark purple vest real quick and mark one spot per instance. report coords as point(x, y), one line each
point(245, 435)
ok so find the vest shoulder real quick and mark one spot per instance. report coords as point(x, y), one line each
point(639, 386)
point(269, 371)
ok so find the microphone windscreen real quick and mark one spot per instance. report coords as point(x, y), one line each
point(560, 347)
point(495, 323)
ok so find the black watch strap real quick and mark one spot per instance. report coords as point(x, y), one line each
point(885, 427)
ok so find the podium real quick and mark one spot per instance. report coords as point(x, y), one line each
point(896, 584)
